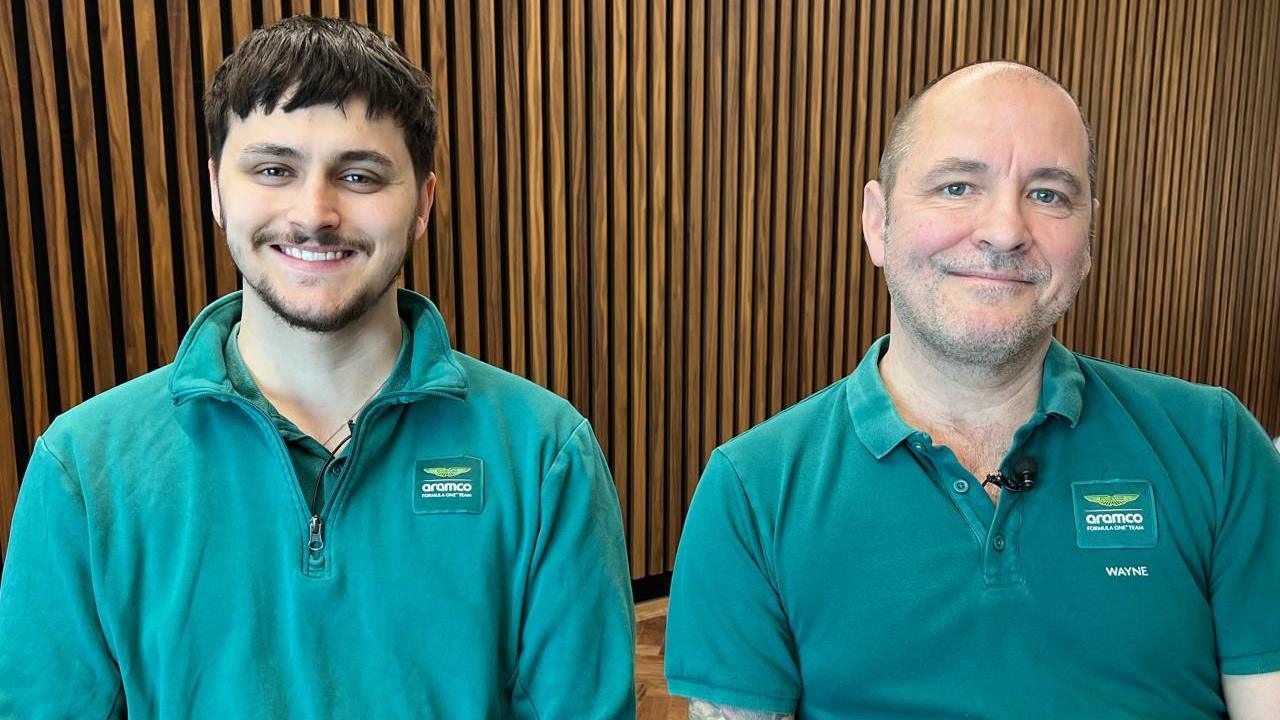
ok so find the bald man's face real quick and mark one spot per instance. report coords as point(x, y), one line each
point(985, 241)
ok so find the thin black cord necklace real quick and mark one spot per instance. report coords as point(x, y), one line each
point(316, 528)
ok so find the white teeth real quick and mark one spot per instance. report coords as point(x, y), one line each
point(313, 256)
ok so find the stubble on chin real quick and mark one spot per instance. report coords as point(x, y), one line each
point(345, 313)
point(963, 339)
point(321, 321)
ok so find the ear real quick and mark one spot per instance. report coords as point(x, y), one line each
point(1093, 225)
point(215, 197)
point(874, 213)
point(426, 197)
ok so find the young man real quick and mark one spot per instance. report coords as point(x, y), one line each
point(846, 558)
point(319, 509)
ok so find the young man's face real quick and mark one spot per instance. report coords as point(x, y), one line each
point(319, 206)
point(987, 238)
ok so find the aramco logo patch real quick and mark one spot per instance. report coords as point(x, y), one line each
point(448, 485)
point(1114, 514)
point(446, 472)
point(1112, 500)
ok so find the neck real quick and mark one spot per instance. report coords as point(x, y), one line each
point(319, 380)
point(933, 391)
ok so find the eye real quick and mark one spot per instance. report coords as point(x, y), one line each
point(956, 190)
point(1047, 197)
point(274, 171)
point(360, 180)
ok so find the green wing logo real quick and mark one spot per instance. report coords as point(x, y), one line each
point(1112, 500)
point(448, 472)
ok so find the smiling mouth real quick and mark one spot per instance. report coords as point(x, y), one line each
point(991, 277)
point(313, 256)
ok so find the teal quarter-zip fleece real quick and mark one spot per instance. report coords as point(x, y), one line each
point(163, 560)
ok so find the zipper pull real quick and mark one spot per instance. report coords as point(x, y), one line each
point(316, 542)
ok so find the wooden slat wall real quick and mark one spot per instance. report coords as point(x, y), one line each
point(650, 207)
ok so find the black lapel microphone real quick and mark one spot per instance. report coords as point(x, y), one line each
point(1023, 479)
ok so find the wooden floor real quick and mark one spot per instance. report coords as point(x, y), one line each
point(652, 700)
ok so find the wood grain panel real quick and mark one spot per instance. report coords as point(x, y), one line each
point(56, 247)
point(695, 172)
point(621, 349)
point(444, 215)
point(556, 200)
point(21, 265)
point(464, 161)
point(652, 208)
point(511, 163)
point(103, 348)
point(124, 208)
point(676, 471)
point(638, 159)
point(152, 131)
point(579, 349)
point(8, 449)
point(489, 242)
point(188, 171)
point(655, 290)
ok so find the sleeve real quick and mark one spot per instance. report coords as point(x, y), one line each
point(1244, 583)
point(728, 640)
point(54, 659)
point(577, 639)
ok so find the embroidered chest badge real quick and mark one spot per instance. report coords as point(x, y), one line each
point(448, 485)
point(1114, 514)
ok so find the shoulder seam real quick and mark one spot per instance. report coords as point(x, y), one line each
point(41, 444)
point(755, 525)
point(1143, 371)
point(582, 422)
point(813, 397)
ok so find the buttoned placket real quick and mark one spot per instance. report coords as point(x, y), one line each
point(996, 527)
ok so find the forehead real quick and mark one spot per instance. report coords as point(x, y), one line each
point(1009, 122)
point(319, 130)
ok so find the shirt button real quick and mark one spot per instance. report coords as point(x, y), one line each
point(998, 543)
point(960, 485)
point(918, 446)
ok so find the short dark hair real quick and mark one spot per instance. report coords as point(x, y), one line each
point(319, 61)
point(904, 123)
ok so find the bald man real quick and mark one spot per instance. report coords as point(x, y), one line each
point(979, 522)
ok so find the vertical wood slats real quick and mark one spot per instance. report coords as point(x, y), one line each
point(652, 208)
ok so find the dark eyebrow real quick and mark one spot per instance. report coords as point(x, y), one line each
point(290, 153)
point(1061, 175)
point(369, 156)
point(954, 166)
point(281, 151)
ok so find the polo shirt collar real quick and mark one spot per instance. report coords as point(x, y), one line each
point(875, 419)
point(880, 428)
point(1062, 389)
point(200, 367)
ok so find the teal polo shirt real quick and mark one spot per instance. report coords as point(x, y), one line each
point(837, 563)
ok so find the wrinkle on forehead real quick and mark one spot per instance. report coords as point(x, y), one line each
point(1002, 118)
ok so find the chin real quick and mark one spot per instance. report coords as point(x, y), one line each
point(323, 313)
point(981, 343)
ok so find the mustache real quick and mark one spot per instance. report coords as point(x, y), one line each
point(323, 239)
point(1016, 264)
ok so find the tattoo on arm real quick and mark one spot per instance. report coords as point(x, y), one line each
point(703, 710)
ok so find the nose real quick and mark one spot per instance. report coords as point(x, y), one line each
point(315, 207)
point(1004, 227)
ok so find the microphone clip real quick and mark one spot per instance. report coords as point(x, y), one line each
point(1022, 480)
